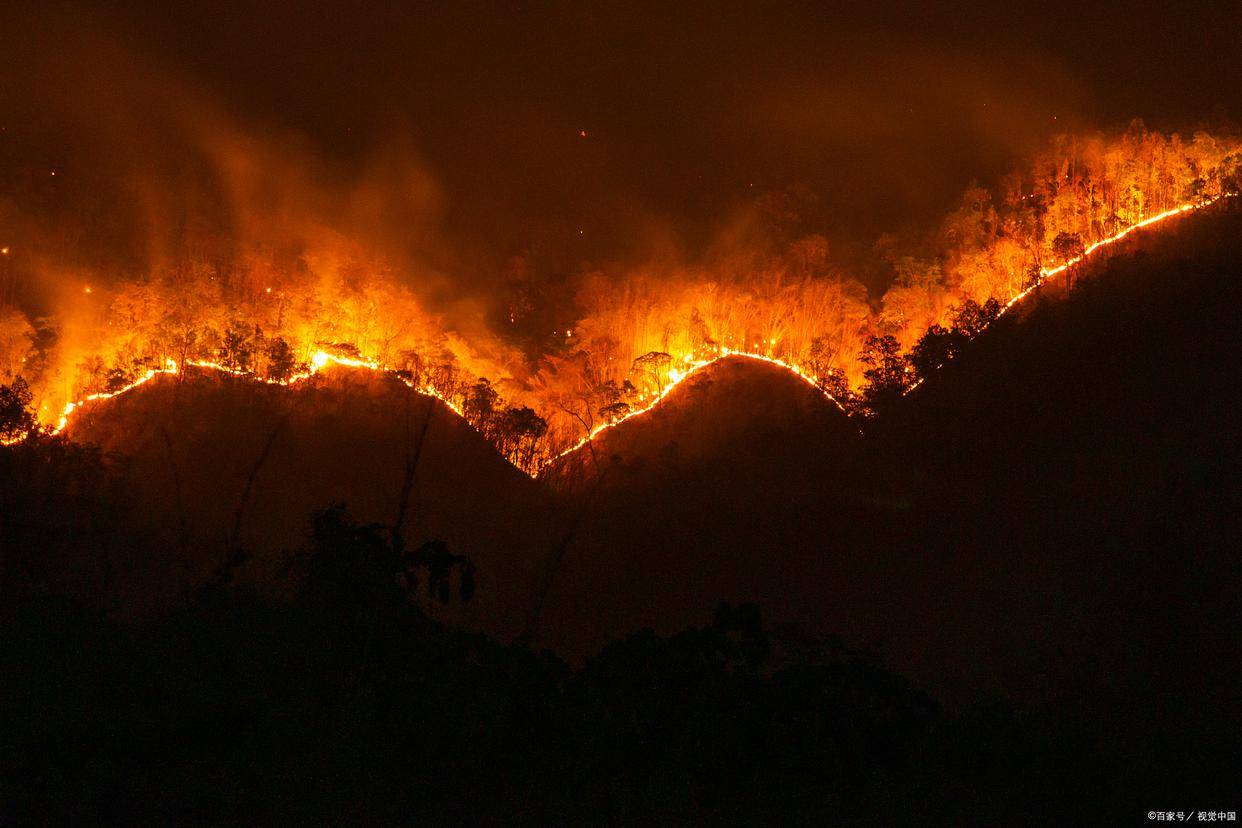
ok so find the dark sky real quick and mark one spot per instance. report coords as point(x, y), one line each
point(883, 111)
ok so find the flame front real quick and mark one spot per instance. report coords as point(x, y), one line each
point(321, 359)
point(636, 337)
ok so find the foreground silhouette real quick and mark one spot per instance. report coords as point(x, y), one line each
point(344, 702)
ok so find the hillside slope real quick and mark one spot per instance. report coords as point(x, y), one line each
point(734, 414)
point(1075, 475)
point(732, 488)
point(1054, 514)
point(189, 447)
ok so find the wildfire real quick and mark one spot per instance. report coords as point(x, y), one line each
point(677, 376)
point(1047, 273)
point(689, 365)
point(319, 361)
point(170, 367)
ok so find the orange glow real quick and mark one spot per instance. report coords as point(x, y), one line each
point(1046, 273)
point(677, 376)
point(689, 365)
point(635, 335)
point(319, 361)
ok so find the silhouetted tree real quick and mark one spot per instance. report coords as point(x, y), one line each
point(16, 416)
point(355, 568)
point(281, 363)
point(613, 412)
point(822, 354)
point(972, 318)
point(343, 349)
point(438, 562)
point(1068, 247)
point(480, 405)
point(888, 375)
point(519, 431)
point(1031, 275)
point(837, 385)
point(936, 347)
point(116, 379)
point(237, 347)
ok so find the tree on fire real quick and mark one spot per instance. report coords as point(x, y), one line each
point(654, 365)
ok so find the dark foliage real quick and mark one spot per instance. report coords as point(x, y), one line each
point(349, 704)
point(281, 362)
point(16, 417)
point(888, 374)
point(935, 348)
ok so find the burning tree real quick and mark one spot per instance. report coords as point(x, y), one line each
point(655, 365)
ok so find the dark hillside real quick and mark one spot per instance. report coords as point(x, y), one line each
point(1053, 514)
point(1075, 481)
point(189, 449)
point(736, 417)
point(1044, 536)
point(738, 486)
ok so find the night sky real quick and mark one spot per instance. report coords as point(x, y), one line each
point(881, 116)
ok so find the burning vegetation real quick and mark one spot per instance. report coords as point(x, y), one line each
point(281, 313)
